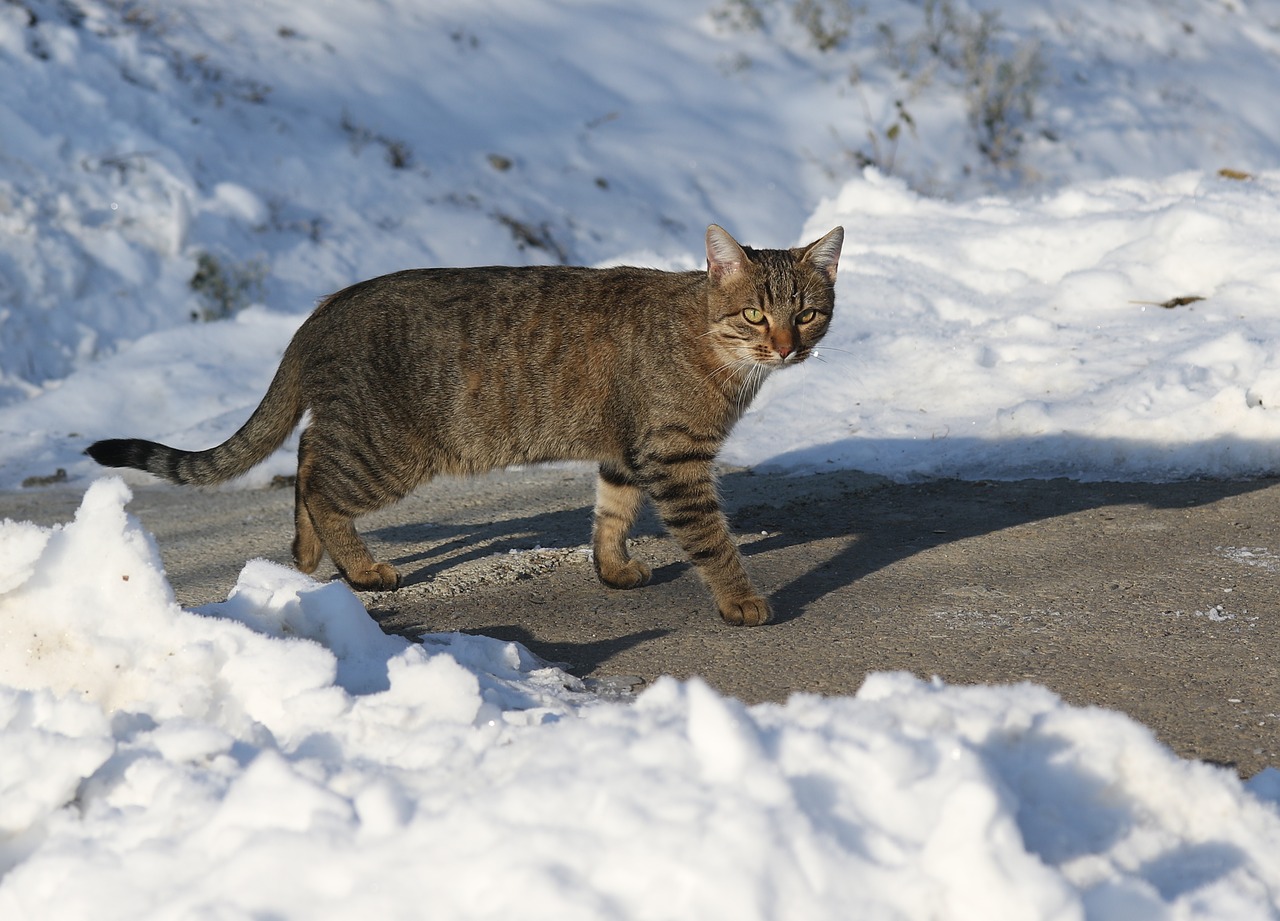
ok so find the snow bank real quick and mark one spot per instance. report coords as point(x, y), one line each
point(984, 339)
point(998, 338)
point(277, 755)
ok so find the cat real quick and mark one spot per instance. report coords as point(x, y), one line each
point(463, 370)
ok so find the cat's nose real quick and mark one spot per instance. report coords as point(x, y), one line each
point(783, 342)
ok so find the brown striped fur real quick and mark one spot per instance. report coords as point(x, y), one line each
point(459, 371)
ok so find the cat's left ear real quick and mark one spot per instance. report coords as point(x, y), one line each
point(725, 257)
point(824, 254)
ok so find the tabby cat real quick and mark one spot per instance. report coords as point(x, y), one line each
point(459, 371)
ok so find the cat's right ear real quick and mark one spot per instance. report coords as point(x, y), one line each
point(725, 257)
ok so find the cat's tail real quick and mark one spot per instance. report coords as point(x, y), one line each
point(271, 423)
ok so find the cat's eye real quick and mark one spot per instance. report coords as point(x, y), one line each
point(807, 317)
point(753, 315)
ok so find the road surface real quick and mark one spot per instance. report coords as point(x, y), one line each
point(1159, 600)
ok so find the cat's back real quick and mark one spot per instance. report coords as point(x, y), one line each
point(501, 340)
point(466, 297)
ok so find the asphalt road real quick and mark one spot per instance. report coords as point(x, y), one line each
point(1159, 600)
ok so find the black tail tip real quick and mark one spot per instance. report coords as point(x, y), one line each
point(119, 452)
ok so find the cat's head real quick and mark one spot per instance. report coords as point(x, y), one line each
point(769, 307)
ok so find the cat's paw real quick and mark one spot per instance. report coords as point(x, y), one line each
point(307, 555)
point(631, 574)
point(380, 577)
point(746, 612)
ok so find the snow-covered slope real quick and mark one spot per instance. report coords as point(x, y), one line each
point(164, 162)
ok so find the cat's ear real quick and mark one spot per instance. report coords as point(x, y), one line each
point(824, 254)
point(725, 257)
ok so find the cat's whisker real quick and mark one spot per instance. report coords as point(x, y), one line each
point(729, 366)
point(733, 365)
point(755, 378)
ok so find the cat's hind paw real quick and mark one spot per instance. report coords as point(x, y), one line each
point(631, 574)
point(746, 612)
point(380, 577)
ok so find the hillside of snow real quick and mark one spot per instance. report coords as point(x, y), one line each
point(170, 171)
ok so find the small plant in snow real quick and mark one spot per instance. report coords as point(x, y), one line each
point(952, 49)
point(399, 154)
point(826, 22)
point(1002, 102)
point(884, 139)
point(225, 289)
point(529, 236)
point(739, 15)
point(999, 82)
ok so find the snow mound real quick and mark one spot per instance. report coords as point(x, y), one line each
point(1123, 329)
point(277, 755)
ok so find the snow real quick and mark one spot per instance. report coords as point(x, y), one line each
point(199, 162)
point(1000, 339)
point(277, 755)
point(179, 183)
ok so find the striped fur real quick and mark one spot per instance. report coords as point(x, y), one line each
point(459, 371)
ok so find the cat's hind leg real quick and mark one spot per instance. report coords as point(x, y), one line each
point(308, 549)
point(327, 504)
point(337, 531)
point(618, 500)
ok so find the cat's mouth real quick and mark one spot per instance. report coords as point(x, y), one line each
point(768, 359)
point(774, 359)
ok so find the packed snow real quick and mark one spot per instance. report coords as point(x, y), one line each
point(276, 755)
point(1062, 257)
point(1123, 329)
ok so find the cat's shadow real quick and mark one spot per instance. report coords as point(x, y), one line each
point(855, 525)
point(443, 548)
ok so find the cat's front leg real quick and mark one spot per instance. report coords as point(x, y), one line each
point(682, 487)
point(618, 499)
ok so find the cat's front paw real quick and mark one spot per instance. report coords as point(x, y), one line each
point(380, 577)
point(631, 574)
point(746, 612)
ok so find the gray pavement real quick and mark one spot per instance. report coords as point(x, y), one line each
point(1159, 600)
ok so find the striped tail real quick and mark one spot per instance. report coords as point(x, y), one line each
point(271, 423)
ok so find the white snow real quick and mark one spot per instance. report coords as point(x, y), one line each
point(997, 338)
point(276, 755)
